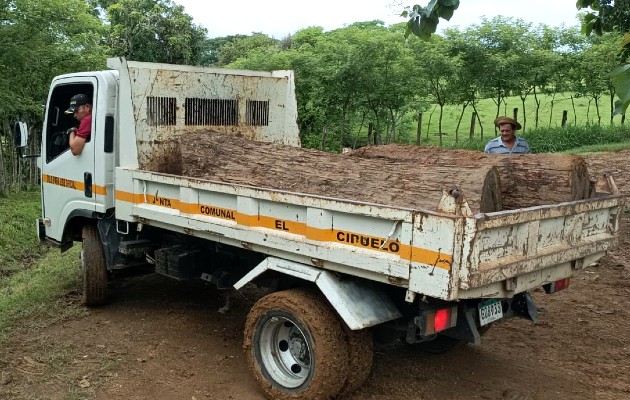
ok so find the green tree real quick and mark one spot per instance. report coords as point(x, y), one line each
point(213, 47)
point(154, 31)
point(539, 64)
point(594, 60)
point(437, 64)
point(39, 40)
point(572, 44)
point(601, 16)
point(246, 46)
point(506, 43)
point(338, 79)
point(611, 16)
point(467, 83)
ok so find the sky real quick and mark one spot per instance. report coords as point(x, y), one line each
point(280, 18)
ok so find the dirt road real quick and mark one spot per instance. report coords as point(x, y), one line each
point(163, 339)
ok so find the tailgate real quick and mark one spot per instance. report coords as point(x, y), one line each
point(517, 250)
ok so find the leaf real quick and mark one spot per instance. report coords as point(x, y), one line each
point(586, 4)
point(446, 13)
point(597, 27)
point(450, 3)
point(620, 78)
point(620, 107)
point(428, 24)
point(428, 10)
point(414, 25)
point(589, 17)
point(626, 40)
point(587, 28)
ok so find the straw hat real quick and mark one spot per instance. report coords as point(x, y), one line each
point(507, 120)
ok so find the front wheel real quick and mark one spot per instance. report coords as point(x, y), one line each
point(296, 346)
point(93, 268)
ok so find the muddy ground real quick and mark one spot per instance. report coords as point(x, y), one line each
point(163, 339)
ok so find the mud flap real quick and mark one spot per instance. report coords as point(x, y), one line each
point(524, 307)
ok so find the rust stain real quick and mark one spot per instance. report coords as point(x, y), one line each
point(397, 281)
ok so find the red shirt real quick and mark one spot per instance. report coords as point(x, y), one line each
point(85, 127)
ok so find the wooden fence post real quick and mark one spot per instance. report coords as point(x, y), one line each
point(419, 133)
point(473, 119)
point(565, 114)
point(323, 138)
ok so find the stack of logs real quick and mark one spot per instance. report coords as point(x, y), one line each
point(526, 180)
point(404, 176)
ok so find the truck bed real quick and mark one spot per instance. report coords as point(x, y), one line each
point(447, 255)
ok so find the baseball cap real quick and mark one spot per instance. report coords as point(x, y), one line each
point(76, 101)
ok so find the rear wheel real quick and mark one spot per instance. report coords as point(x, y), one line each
point(93, 268)
point(360, 358)
point(296, 346)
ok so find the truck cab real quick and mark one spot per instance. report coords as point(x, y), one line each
point(75, 188)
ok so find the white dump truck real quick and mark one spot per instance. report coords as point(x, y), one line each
point(336, 270)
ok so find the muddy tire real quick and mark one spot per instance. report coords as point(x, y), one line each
point(360, 358)
point(93, 268)
point(296, 346)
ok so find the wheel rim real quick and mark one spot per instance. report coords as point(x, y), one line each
point(285, 352)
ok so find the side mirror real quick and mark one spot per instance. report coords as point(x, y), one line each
point(20, 134)
point(20, 138)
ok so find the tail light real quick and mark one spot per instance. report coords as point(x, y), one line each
point(557, 285)
point(434, 321)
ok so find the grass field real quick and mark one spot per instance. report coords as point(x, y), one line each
point(33, 278)
point(18, 241)
point(579, 114)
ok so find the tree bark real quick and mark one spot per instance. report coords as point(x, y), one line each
point(527, 180)
point(399, 183)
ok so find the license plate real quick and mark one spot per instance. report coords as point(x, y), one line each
point(489, 311)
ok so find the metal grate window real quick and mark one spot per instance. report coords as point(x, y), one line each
point(221, 112)
point(257, 112)
point(161, 110)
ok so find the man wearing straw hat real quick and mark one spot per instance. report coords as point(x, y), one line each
point(508, 142)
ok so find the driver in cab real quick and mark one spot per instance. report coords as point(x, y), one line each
point(81, 108)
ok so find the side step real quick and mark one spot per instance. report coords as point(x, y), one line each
point(135, 248)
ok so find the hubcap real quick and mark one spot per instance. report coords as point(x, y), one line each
point(285, 352)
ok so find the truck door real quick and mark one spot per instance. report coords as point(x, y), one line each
point(67, 180)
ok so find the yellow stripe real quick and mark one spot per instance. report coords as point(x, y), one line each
point(404, 251)
point(100, 190)
point(63, 182)
point(125, 196)
point(72, 184)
